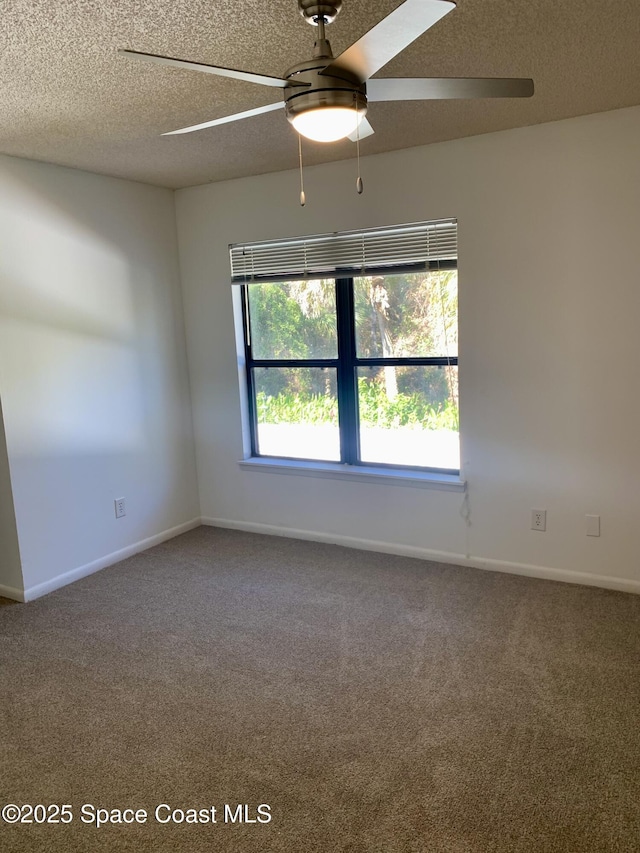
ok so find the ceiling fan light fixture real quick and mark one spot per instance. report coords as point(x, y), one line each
point(327, 124)
point(326, 97)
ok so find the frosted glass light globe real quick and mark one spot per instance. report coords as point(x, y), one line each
point(327, 124)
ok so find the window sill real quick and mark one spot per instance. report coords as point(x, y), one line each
point(355, 473)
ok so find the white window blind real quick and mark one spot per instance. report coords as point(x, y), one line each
point(359, 252)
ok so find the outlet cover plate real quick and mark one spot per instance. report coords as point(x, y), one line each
point(539, 519)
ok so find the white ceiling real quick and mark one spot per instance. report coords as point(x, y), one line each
point(66, 96)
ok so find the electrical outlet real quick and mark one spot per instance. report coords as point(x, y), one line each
point(120, 507)
point(538, 519)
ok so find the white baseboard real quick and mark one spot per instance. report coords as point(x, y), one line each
point(531, 571)
point(82, 571)
point(11, 592)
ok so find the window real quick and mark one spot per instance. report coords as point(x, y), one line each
point(357, 366)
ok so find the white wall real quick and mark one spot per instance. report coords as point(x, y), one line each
point(93, 375)
point(10, 569)
point(549, 260)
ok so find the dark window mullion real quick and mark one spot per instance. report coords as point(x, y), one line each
point(248, 360)
point(347, 396)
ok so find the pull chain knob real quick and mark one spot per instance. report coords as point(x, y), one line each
point(303, 198)
point(359, 186)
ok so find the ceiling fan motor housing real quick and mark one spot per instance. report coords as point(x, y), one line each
point(312, 11)
point(325, 90)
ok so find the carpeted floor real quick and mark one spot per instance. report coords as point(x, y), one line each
point(375, 703)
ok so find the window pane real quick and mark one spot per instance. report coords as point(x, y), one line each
point(400, 316)
point(409, 416)
point(293, 319)
point(297, 412)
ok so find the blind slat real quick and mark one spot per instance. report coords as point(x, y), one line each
point(360, 251)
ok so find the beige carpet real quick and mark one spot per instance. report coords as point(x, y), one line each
point(375, 703)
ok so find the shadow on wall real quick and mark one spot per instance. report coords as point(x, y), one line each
point(92, 357)
point(78, 313)
point(10, 569)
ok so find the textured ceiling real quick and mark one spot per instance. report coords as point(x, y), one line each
point(66, 96)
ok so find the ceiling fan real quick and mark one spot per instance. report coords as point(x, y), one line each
point(326, 98)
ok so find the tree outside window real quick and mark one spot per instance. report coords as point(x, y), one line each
point(361, 370)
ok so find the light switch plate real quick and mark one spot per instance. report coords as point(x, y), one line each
point(593, 525)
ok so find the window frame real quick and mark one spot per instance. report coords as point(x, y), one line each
point(346, 365)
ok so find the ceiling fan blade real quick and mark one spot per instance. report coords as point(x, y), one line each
point(262, 79)
point(436, 88)
point(364, 129)
point(388, 38)
point(236, 117)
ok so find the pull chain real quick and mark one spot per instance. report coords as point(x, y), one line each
point(303, 198)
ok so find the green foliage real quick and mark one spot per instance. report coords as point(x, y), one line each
point(376, 410)
point(407, 315)
point(305, 382)
point(293, 320)
point(406, 409)
point(400, 315)
point(396, 315)
point(287, 408)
